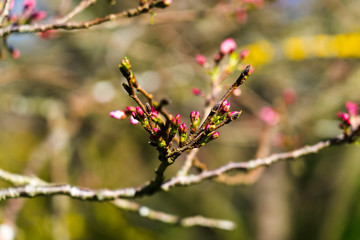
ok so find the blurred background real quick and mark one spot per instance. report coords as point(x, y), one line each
point(56, 98)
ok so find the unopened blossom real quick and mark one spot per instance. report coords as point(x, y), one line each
point(38, 16)
point(118, 114)
point(244, 53)
point(225, 107)
point(214, 135)
point(133, 120)
point(197, 91)
point(344, 117)
point(29, 4)
point(289, 96)
point(12, 4)
point(227, 46)
point(200, 59)
point(241, 15)
point(352, 108)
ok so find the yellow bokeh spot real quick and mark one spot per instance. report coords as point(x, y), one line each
point(295, 48)
point(259, 53)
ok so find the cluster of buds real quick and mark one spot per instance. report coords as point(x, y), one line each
point(350, 121)
point(227, 48)
point(29, 13)
point(221, 117)
point(164, 129)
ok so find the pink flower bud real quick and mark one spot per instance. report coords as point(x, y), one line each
point(200, 59)
point(352, 108)
point(12, 3)
point(225, 107)
point(118, 114)
point(269, 116)
point(130, 108)
point(154, 113)
point(289, 96)
point(197, 92)
point(227, 46)
point(251, 70)
point(214, 135)
point(178, 119)
point(133, 120)
point(241, 15)
point(15, 53)
point(244, 54)
point(140, 112)
point(29, 4)
point(344, 116)
point(38, 16)
point(182, 128)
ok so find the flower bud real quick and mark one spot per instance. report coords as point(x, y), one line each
point(130, 108)
point(118, 114)
point(133, 120)
point(227, 46)
point(244, 54)
point(352, 108)
point(209, 128)
point(200, 59)
point(140, 113)
point(183, 134)
point(269, 116)
point(344, 117)
point(197, 92)
point(38, 16)
point(225, 107)
point(214, 135)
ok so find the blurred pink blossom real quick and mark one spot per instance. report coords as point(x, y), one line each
point(352, 108)
point(118, 114)
point(200, 59)
point(29, 5)
point(289, 96)
point(38, 16)
point(244, 53)
point(241, 15)
point(227, 46)
point(197, 91)
point(269, 116)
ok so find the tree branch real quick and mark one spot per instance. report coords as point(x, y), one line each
point(155, 185)
point(78, 25)
point(173, 219)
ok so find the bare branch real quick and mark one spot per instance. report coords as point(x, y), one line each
point(79, 8)
point(173, 219)
point(252, 164)
point(78, 25)
point(156, 185)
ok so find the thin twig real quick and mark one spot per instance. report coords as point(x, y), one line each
point(79, 8)
point(173, 219)
point(78, 25)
